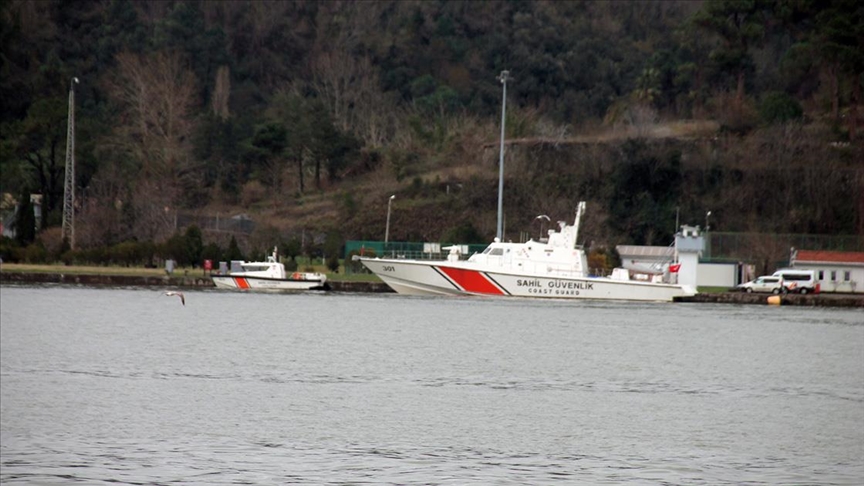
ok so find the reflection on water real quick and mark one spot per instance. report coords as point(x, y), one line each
point(128, 386)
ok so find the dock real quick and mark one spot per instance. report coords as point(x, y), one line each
point(808, 300)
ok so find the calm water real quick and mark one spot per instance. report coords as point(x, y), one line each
point(129, 386)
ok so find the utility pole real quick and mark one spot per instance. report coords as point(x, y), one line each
point(505, 75)
point(69, 190)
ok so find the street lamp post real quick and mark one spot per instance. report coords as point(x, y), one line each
point(707, 226)
point(505, 75)
point(387, 228)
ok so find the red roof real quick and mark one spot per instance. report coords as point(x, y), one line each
point(829, 256)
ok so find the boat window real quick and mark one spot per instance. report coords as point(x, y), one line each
point(497, 251)
point(487, 250)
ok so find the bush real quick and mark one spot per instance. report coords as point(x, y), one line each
point(333, 263)
point(35, 253)
point(126, 253)
point(352, 266)
point(778, 107)
point(98, 255)
point(9, 250)
point(464, 233)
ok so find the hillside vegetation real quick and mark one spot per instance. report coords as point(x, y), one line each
point(307, 116)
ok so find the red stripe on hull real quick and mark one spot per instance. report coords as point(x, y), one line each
point(242, 283)
point(471, 281)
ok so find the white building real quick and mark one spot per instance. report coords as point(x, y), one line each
point(689, 245)
point(836, 271)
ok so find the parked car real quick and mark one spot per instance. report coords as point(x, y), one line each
point(765, 283)
point(800, 281)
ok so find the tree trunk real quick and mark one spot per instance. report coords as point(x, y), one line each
point(853, 112)
point(835, 92)
point(698, 108)
point(300, 172)
point(739, 94)
point(860, 174)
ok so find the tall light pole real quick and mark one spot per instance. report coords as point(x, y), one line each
point(505, 75)
point(68, 230)
point(387, 228)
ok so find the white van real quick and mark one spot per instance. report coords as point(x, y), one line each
point(800, 281)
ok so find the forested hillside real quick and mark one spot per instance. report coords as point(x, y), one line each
point(307, 115)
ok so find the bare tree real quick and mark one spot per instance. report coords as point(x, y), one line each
point(348, 82)
point(100, 217)
point(350, 88)
point(153, 212)
point(156, 96)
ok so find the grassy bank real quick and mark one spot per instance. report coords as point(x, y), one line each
point(158, 272)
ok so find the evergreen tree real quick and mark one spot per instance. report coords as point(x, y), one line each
point(175, 249)
point(194, 245)
point(25, 223)
point(233, 252)
point(740, 25)
point(212, 252)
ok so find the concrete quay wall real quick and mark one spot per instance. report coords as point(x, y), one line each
point(810, 300)
point(818, 300)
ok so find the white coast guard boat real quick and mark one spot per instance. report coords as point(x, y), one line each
point(269, 276)
point(556, 268)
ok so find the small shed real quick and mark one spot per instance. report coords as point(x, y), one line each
point(647, 259)
point(836, 271)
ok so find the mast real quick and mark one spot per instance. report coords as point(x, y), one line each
point(69, 189)
point(579, 210)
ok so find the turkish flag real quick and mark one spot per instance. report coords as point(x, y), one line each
point(674, 268)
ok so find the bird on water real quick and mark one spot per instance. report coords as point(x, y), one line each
point(178, 294)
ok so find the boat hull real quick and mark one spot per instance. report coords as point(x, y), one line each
point(265, 284)
point(420, 277)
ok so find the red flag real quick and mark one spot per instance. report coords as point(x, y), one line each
point(674, 268)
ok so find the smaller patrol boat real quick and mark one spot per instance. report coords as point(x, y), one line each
point(268, 276)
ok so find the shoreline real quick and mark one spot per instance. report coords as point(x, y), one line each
point(203, 282)
point(200, 282)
